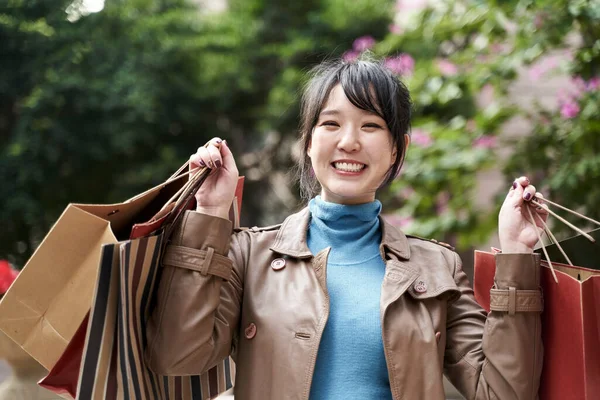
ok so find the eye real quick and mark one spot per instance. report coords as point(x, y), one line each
point(329, 123)
point(372, 125)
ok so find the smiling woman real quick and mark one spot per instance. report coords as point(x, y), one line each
point(335, 303)
point(350, 151)
point(368, 106)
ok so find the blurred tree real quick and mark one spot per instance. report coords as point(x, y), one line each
point(460, 59)
point(448, 55)
point(564, 148)
point(96, 108)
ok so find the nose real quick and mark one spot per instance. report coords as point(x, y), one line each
point(349, 140)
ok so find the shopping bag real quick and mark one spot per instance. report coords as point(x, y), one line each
point(63, 377)
point(52, 295)
point(113, 364)
point(570, 320)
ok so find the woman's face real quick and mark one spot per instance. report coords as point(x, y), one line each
point(350, 151)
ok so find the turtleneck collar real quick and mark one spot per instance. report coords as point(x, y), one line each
point(352, 231)
point(326, 211)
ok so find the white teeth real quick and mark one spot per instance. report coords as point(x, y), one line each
point(348, 167)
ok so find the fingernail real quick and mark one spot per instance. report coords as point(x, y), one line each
point(218, 141)
point(514, 184)
point(527, 196)
point(218, 163)
point(201, 163)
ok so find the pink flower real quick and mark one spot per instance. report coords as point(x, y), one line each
point(544, 66)
point(396, 29)
point(580, 86)
point(569, 109)
point(485, 142)
point(447, 68)
point(535, 73)
point(593, 84)
point(420, 138)
point(402, 64)
point(363, 43)
point(350, 55)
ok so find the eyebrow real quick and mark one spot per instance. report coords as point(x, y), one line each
point(337, 112)
point(329, 112)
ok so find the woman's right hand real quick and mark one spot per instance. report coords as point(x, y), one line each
point(216, 193)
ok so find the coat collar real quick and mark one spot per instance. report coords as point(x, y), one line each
point(291, 237)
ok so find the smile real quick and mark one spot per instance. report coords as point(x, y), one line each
point(348, 167)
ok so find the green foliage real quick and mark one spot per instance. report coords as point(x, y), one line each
point(454, 137)
point(563, 150)
point(487, 44)
point(101, 108)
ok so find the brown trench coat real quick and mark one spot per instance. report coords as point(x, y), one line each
point(223, 293)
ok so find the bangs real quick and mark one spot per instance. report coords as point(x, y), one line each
point(364, 88)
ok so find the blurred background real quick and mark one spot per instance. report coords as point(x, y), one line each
point(100, 100)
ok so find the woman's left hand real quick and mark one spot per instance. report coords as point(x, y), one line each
point(516, 230)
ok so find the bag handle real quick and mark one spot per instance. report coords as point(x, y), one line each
point(185, 194)
point(536, 201)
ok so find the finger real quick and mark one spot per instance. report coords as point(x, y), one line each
point(516, 193)
point(523, 181)
point(528, 192)
point(194, 163)
point(227, 156)
point(214, 160)
point(202, 157)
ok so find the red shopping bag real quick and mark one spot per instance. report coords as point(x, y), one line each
point(570, 320)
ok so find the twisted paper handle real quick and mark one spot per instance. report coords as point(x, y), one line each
point(535, 201)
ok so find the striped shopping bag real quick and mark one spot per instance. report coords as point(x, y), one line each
point(113, 360)
point(113, 365)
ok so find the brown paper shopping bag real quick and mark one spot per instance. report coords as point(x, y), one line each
point(52, 294)
point(113, 365)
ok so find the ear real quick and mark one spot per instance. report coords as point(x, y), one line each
point(395, 152)
point(309, 148)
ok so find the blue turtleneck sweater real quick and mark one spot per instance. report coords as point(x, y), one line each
point(350, 362)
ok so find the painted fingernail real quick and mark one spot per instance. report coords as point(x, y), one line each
point(514, 184)
point(218, 141)
point(218, 163)
point(527, 196)
point(201, 163)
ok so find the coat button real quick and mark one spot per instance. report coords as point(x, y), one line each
point(420, 287)
point(278, 264)
point(250, 331)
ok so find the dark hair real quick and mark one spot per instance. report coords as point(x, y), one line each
point(370, 86)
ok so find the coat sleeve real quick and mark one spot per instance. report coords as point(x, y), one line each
point(194, 323)
point(499, 356)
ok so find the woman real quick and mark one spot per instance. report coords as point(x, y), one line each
point(335, 303)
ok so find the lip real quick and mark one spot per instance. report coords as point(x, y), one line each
point(348, 161)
